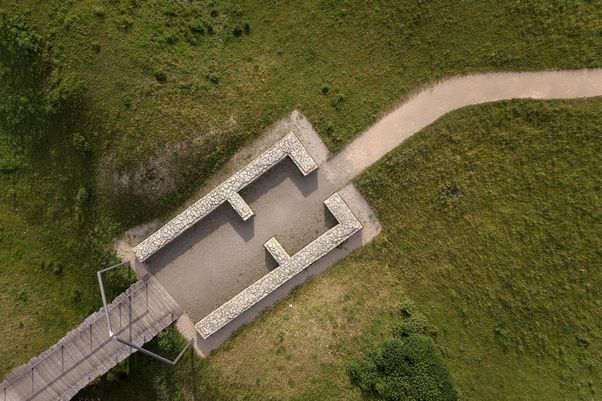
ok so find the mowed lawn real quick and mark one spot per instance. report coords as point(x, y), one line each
point(493, 226)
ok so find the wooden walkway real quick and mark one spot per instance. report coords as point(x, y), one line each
point(137, 315)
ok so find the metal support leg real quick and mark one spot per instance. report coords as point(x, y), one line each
point(129, 343)
point(130, 316)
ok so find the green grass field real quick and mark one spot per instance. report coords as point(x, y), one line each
point(144, 100)
point(34, 299)
point(492, 226)
point(179, 89)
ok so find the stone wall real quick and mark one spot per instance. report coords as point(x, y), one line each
point(228, 191)
point(289, 266)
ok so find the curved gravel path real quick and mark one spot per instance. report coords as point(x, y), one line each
point(431, 103)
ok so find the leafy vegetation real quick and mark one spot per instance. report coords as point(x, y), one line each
point(408, 366)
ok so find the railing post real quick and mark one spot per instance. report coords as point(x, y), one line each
point(91, 348)
point(120, 315)
point(62, 358)
point(32, 382)
point(4, 393)
point(130, 316)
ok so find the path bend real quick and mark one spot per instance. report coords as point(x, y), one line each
point(431, 103)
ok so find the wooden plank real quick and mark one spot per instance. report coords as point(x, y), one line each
point(87, 352)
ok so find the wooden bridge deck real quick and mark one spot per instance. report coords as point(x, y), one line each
point(137, 315)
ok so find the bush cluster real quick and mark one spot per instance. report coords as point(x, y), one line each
point(32, 94)
point(408, 366)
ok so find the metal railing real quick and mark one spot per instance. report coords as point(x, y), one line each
point(114, 336)
point(70, 353)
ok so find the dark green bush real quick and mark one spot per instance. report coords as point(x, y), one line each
point(338, 101)
point(82, 197)
point(22, 296)
point(24, 67)
point(125, 23)
point(409, 366)
point(170, 37)
point(81, 144)
point(100, 12)
point(213, 78)
point(67, 95)
point(197, 26)
point(57, 269)
point(76, 296)
point(237, 31)
point(160, 75)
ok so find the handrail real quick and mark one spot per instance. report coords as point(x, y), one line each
point(114, 337)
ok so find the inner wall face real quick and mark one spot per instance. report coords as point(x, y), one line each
point(222, 255)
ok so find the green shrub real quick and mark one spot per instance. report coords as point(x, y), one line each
point(160, 75)
point(24, 66)
point(57, 269)
point(51, 266)
point(125, 23)
point(118, 280)
point(100, 12)
point(170, 37)
point(70, 21)
point(76, 296)
point(237, 31)
point(81, 144)
point(415, 324)
point(338, 101)
point(67, 95)
point(127, 101)
point(409, 366)
point(213, 78)
point(197, 26)
point(82, 197)
point(22, 296)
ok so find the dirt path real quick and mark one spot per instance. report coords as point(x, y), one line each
point(432, 103)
